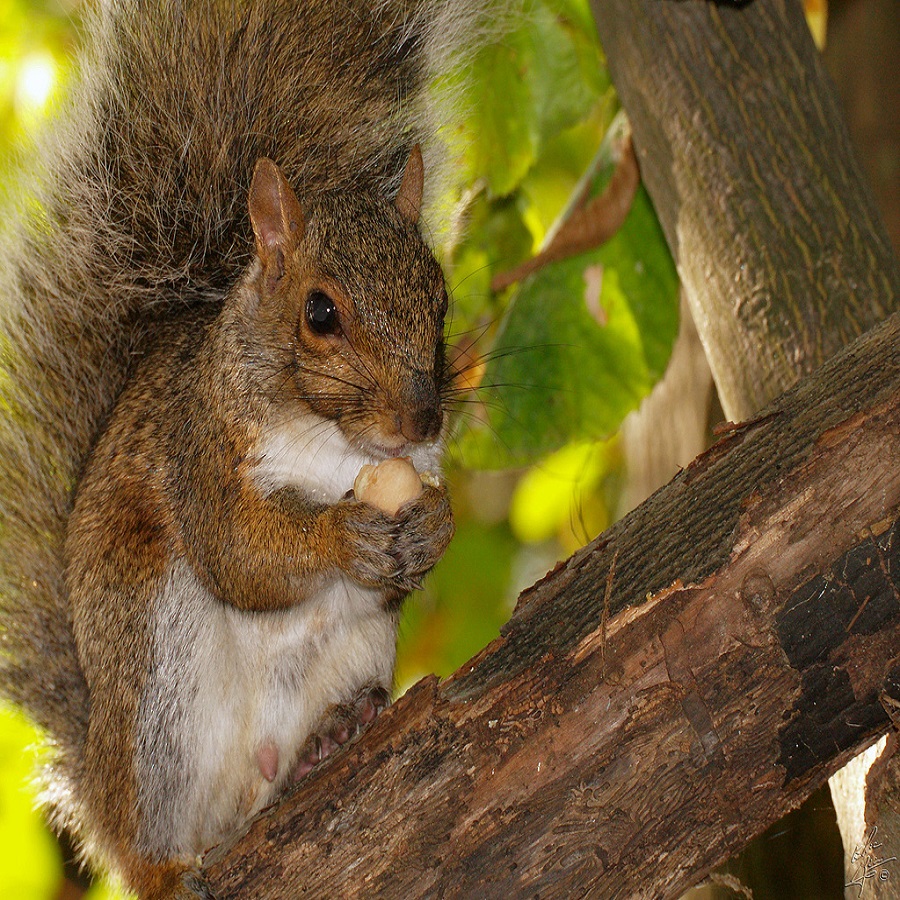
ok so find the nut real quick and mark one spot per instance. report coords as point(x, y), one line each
point(388, 485)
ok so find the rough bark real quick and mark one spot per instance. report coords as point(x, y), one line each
point(748, 160)
point(609, 747)
point(744, 151)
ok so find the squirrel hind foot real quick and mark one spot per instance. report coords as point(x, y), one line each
point(338, 725)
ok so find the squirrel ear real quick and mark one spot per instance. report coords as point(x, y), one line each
point(409, 197)
point(274, 212)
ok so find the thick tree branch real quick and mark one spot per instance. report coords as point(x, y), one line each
point(604, 746)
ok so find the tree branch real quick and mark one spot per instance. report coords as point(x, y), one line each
point(581, 754)
point(781, 253)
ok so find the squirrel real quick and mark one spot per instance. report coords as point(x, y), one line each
point(217, 305)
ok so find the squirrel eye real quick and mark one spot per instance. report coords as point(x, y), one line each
point(322, 313)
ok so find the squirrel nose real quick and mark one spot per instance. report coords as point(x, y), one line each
point(421, 424)
point(421, 417)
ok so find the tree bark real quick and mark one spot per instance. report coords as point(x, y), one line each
point(748, 160)
point(744, 151)
point(604, 746)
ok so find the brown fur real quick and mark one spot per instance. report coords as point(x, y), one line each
point(169, 478)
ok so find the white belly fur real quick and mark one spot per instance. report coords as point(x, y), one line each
point(247, 679)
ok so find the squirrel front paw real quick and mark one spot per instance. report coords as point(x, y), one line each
point(367, 545)
point(395, 551)
point(424, 529)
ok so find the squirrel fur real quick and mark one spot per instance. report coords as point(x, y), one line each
point(217, 306)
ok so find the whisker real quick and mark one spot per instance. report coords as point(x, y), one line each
point(330, 376)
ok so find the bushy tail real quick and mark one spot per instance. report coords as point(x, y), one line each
point(138, 203)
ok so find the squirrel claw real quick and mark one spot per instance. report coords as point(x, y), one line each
point(342, 723)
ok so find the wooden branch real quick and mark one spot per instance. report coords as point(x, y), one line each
point(604, 746)
point(746, 156)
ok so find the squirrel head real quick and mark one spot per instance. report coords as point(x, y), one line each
point(351, 302)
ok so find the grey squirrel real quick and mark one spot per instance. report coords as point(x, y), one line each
point(216, 306)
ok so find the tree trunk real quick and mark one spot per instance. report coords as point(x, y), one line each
point(744, 151)
point(608, 746)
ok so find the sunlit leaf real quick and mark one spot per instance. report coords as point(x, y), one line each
point(496, 237)
point(559, 495)
point(583, 342)
point(528, 87)
point(567, 156)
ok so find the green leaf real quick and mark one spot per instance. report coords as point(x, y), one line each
point(569, 363)
point(546, 189)
point(577, 14)
point(543, 77)
point(496, 238)
point(501, 144)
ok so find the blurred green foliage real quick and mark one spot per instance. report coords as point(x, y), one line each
point(37, 39)
point(560, 370)
point(30, 862)
point(576, 346)
point(582, 343)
